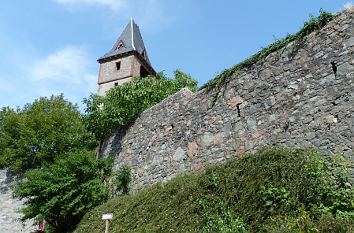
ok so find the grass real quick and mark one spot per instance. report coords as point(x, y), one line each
point(310, 26)
point(273, 190)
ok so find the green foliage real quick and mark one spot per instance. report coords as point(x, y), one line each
point(280, 181)
point(39, 133)
point(46, 141)
point(64, 191)
point(124, 103)
point(220, 219)
point(105, 166)
point(168, 208)
point(122, 179)
point(303, 222)
point(273, 190)
point(310, 26)
point(274, 198)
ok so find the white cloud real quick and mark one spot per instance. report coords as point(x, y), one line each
point(69, 70)
point(65, 64)
point(114, 4)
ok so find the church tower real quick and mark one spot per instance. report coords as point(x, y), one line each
point(127, 58)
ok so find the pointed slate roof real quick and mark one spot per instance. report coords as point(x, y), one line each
point(129, 40)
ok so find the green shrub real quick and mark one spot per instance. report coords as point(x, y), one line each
point(223, 221)
point(64, 191)
point(272, 190)
point(122, 179)
point(330, 224)
point(304, 223)
point(280, 181)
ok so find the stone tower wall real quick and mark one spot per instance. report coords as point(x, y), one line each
point(109, 76)
point(292, 97)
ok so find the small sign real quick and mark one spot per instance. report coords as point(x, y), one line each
point(107, 216)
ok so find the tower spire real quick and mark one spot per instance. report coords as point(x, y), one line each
point(127, 58)
point(129, 40)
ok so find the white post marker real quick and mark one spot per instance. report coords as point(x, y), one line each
point(107, 217)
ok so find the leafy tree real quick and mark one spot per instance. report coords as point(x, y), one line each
point(123, 104)
point(64, 191)
point(40, 132)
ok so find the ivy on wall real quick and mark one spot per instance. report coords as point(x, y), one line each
point(313, 24)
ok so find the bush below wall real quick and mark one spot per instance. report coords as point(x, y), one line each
point(273, 190)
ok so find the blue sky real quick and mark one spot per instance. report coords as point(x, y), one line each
point(51, 46)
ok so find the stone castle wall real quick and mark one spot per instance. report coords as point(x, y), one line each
point(292, 97)
point(10, 218)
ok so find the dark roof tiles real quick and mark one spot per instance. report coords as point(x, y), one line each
point(129, 40)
